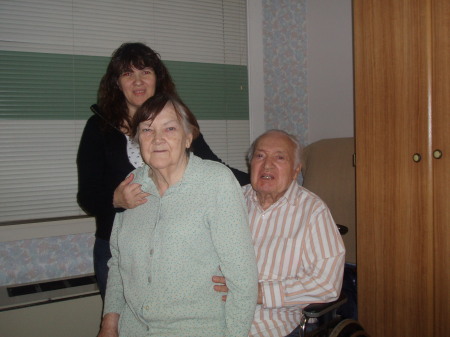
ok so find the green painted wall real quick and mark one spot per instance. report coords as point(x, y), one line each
point(58, 86)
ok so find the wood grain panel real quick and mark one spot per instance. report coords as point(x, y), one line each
point(441, 167)
point(394, 194)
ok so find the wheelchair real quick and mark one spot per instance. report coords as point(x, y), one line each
point(329, 322)
point(337, 318)
point(329, 171)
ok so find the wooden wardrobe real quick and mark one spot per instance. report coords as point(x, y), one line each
point(402, 137)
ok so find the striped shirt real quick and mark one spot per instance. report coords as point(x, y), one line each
point(300, 256)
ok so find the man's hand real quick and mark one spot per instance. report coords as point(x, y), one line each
point(221, 287)
point(128, 195)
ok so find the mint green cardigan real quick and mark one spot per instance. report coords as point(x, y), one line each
point(165, 252)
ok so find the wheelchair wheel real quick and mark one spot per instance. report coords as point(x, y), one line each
point(348, 328)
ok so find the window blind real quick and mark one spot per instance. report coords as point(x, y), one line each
point(52, 56)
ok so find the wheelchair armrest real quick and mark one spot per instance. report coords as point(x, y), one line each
point(342, 229)
point(319, 309)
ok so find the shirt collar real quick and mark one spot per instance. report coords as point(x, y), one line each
point(289, 196)
point(148, 185)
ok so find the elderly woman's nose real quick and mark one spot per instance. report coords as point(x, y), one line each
point(158, 137)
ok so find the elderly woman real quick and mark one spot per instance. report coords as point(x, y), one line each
point(165, 252)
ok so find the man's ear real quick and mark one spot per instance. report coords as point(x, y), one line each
point(297, 171)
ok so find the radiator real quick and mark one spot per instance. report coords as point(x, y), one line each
point(68, 307)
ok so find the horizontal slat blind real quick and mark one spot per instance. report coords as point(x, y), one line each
point(52, 56)
point(206, 31)
point(38, 177)
point(227, 139)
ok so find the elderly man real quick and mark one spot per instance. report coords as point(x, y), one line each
point(299, 251)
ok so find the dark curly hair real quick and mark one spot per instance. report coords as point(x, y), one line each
point(111, 99)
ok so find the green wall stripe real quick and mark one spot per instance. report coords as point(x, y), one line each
point(58, 86)
point(212, 91)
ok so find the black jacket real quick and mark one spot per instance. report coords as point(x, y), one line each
point(103, 164)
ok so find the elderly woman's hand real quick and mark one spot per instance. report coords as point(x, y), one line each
point(108, 333)
point(128, 195)
point(110, 325)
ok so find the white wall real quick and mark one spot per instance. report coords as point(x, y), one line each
point(255, 68)
point(72, 318)
point(329, 69)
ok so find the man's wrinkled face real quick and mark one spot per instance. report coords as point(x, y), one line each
point(273, 166)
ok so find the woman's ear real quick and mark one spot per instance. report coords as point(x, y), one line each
point(189, 140)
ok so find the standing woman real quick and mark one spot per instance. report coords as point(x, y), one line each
point(165, 252)
point(107, 155)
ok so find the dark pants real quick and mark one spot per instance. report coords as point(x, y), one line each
point(295, 333)
point(102, 254)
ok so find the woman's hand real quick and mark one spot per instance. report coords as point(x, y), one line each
point(108, 333)
point(110, 326)
point(128, 195)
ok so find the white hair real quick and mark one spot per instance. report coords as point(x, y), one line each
point(297, 151)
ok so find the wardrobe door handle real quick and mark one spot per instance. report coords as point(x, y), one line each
point(417, 157)
point(437, 154)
